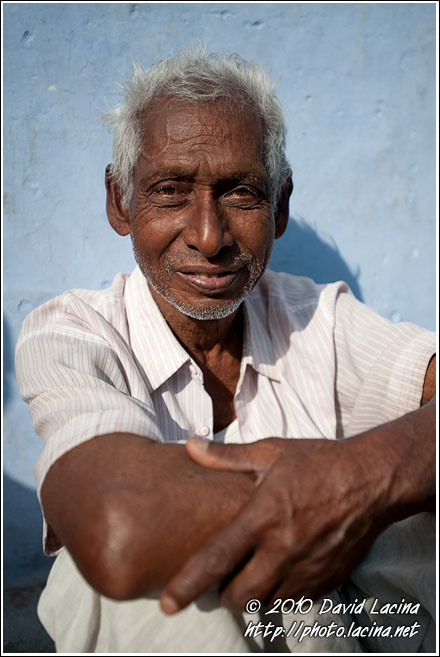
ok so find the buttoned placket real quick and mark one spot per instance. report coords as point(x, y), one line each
point(246, 360)
point(204, 427)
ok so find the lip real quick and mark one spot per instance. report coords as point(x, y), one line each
point(210, 281)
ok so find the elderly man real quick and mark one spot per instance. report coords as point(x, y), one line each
point(324, 406)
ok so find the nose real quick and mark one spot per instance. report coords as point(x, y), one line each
point(207, 229)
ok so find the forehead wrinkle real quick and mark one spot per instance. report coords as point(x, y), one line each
point(193, 135)
point(163, 144)
point(203, 132)
point(188, 138)
point(203, 125)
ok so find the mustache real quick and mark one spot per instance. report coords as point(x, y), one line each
point(173, 263)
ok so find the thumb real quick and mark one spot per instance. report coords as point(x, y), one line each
point(233, 457)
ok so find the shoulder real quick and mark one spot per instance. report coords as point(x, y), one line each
point(79, 338)
point(299, 294)
point(77, 312)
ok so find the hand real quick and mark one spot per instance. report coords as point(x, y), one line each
point(312, 517)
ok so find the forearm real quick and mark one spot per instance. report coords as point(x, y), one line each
point(131, 511)
point(400, 456)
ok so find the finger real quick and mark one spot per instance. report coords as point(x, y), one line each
point(301, 583)
point(258, 579)
point(254, 457)
point(214, 562)
point(269, 575)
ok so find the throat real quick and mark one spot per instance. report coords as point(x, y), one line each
point(222, 423)
point(216, 347)
point(222, 404)
point(202, 337)
point(220, 376)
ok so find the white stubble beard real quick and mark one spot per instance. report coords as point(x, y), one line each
point(157, 279)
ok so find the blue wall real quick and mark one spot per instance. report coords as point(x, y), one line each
point(358, 89)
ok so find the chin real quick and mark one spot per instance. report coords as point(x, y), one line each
point(203, 313)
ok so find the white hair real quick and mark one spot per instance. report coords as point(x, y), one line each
point(198, 77)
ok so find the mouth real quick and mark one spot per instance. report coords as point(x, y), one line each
point(211, 281)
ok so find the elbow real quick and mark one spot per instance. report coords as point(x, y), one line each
point(111, 576)
point(112, 572)
point(116, 586)
point(105, 569)
point(118, 567)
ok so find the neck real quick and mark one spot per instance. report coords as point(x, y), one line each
point(203, 338)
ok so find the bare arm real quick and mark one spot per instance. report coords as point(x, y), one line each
point(131, 511)
point(317, 508)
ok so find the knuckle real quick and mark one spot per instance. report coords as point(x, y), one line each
point(287, 541)
point(274, 513)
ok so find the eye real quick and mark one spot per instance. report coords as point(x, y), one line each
point(169, 194)
point(243, 196)
point(166, 190)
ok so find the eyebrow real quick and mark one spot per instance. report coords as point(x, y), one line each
point(176, 173)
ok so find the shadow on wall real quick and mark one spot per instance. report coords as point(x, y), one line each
point(8, 361)
point(23, 559)
point(25, 570)
point(303, 252)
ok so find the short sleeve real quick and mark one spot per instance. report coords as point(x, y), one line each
point(77, 373)
point(380, 366)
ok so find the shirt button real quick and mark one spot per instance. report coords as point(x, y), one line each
point(204, 431)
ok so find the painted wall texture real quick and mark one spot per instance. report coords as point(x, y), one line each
point(358, 89)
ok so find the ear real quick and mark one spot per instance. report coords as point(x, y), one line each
point(118, 215)
point(282, 209)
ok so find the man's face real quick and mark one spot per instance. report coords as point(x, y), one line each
point(201, 221)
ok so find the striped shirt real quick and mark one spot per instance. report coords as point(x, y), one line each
point(316, 363)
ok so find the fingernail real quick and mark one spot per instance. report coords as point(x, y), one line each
point(200, 443)
point(168, 605)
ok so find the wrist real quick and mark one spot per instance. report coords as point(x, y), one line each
point(398, 459)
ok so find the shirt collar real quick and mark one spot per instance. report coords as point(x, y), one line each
point(153, 342)
point(261, 326)
point(160, 353)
